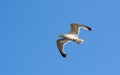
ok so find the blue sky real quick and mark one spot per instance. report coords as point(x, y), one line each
point(29, 30)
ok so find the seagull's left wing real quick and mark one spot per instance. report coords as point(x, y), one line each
point(60, 45)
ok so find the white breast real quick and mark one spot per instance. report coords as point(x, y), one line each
point(69, 36)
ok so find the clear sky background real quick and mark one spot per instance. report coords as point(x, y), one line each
point(29, 30)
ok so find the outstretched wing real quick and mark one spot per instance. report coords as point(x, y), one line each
point(60, 45)
point(75, 28)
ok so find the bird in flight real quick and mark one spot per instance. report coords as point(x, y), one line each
point(71, 36)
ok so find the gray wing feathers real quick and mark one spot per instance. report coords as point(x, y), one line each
point(75, 28)
point(60, 45)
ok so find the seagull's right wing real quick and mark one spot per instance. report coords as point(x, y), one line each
point(60, 45)
point(75, 28)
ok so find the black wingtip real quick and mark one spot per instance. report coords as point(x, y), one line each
point(87, 27)
point(90, 29)
point(64, 55)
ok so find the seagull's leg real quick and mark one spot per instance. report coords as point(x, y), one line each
point(79, 41)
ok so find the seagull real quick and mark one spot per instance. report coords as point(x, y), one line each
point(71, 36)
